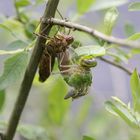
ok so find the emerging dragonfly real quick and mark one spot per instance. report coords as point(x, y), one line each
point(76, 71)
point(77, 74)
point(55, 45)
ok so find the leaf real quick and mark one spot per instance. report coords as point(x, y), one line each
point(32, 132)
point(117, 107)
point(87, 138)
point(55, 107)
point(134, 6)
point(135, 36)
point(39, 1)
point(83, 6)
point(2, 98)
point(135, 51)
point(15, 28)
point(135, 89)
point(104, 4)
point(91, 50)
point(129, 29)
point(83, 111)
point(17, 44)
point(14, 68)
point(8, 29)
point(110, 20)
point(119, 55)
point(22, 3)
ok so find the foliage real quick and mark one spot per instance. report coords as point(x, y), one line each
point(58, 119)
point(129, 114)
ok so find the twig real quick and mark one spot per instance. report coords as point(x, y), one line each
point(129, 72)
point(93, 32)
point(30, 72)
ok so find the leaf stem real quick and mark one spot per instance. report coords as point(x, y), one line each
point(30, 72)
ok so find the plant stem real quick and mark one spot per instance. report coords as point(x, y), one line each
point(30, 72)
point(129, 72)
point(93, 32)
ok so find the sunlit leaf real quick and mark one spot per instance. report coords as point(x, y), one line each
point(2, 98)
point(135, 89)
point(14, 68)
point(17, 44)
point(32, 132)
point(118, 108)
point(15, 28)
point(134, 6)
point(8, 29)
point(104, 4)
point(83, 6)
point(39, 1)
point(135, 36)
point(110, 20)
point(87, 138)
point(91, 50)
point(135, 51)
point(22, 3)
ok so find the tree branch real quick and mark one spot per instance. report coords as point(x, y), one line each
point(30, 72)
point(129, 72)
point(92, 32)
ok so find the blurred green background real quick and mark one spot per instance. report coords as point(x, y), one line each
point(47, 116)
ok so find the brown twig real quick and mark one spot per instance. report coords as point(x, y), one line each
point(129, 72)
point(92, 32)
point(30, 72)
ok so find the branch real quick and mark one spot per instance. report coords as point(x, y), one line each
point(30, 72)
point(129, 72)
point(92, 32)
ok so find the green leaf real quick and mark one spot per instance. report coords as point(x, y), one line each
point(110, 20)
point(14, 68)
point(134, 6)
point(39, 1)
point(83, 111)
point(117, 107)
point(129, 29)
point(2, 98)
point(119, 55)
point(135, 51)
point(135, 89)
point(2, 26)
point(55, 108)
point(83, 6)
point(91, 50)
point(22, 3)
point(15, 28)
point(104, 4)
point(32, 132)
point(87, 138)
point(17, 44)
point(134, 37)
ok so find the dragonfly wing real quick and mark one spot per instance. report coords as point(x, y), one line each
point(46, 65)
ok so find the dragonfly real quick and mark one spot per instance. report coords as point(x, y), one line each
point(59, 43)
point(76, 73)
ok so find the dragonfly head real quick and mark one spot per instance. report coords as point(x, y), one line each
point(88, 61)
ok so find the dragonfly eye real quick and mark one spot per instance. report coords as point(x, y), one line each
point(88, 62)
point(69, 39)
